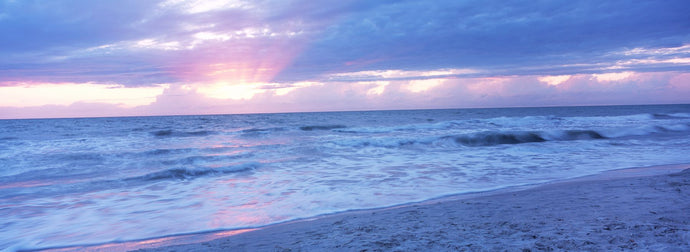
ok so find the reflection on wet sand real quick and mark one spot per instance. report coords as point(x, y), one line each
point(153, 243)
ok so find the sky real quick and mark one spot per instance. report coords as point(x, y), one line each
point(84, 58)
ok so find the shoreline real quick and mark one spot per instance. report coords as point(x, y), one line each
point(332, 231)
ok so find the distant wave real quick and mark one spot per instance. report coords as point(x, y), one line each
point(672, 116)
point(645, 130)
point(680, 115)
point(493, 138)
point(322, 127)
point(172, 133)
point(158, 152)
point(455, 124)
point(496, 138)
point(499, 122)
point(261, 130)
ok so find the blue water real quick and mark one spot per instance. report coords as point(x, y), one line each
point(83, 181)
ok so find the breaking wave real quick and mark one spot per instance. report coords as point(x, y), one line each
point(490, 139)
point(497, 138)
point(190, 173)
point(493, 138)
point(48, 188)
point(518, 122)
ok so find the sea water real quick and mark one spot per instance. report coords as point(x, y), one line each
point(81, 181)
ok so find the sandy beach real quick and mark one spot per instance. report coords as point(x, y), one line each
point(624, 210)
point(239, 125)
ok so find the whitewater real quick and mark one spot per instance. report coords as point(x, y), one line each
point(68, 182)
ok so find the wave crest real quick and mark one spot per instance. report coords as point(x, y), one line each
point(478, 139)
point(187, 173)
point(491, 139)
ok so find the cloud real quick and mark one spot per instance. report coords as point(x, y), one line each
point(299, 55)
point(393, 74)
point(162, 40)
point(418, 86)
point(554, 80)
point(612, 77)
point(31, 26)
point(450, 92)
point(375, 87)
point(670, 51)
point(497, 36)
point(152, 43)
point(66, 111)
point(38, 94)
point(200, 6)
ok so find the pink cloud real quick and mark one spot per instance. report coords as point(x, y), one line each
point(506, 91)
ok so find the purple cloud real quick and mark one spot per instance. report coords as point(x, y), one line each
point(355, 54)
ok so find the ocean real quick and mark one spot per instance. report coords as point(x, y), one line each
point(66, 182)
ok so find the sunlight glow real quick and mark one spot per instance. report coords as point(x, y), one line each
point(417, 86)
point(224, 90)
point(554, 80)
point(378, 87)
point(488, 85)
point(286, 90)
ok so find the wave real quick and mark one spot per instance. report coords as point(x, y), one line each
point(207, 159)
point(672, 116)
point(570, 135)
point(409, 127)
point(263, 130)
point(38, 188)
point(82, 158)
point(321, 127)
point(493, 138)
point(181, 154)
point(260, 132)
point(456, 124)
point(503, 122)
point(190, 173)
point(497, 138)
point(525, 120)
point(680, 115)
point(159, 152)
point(173, 133)
point(645, 130)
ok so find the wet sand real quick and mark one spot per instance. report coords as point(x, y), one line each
point(624, 210)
